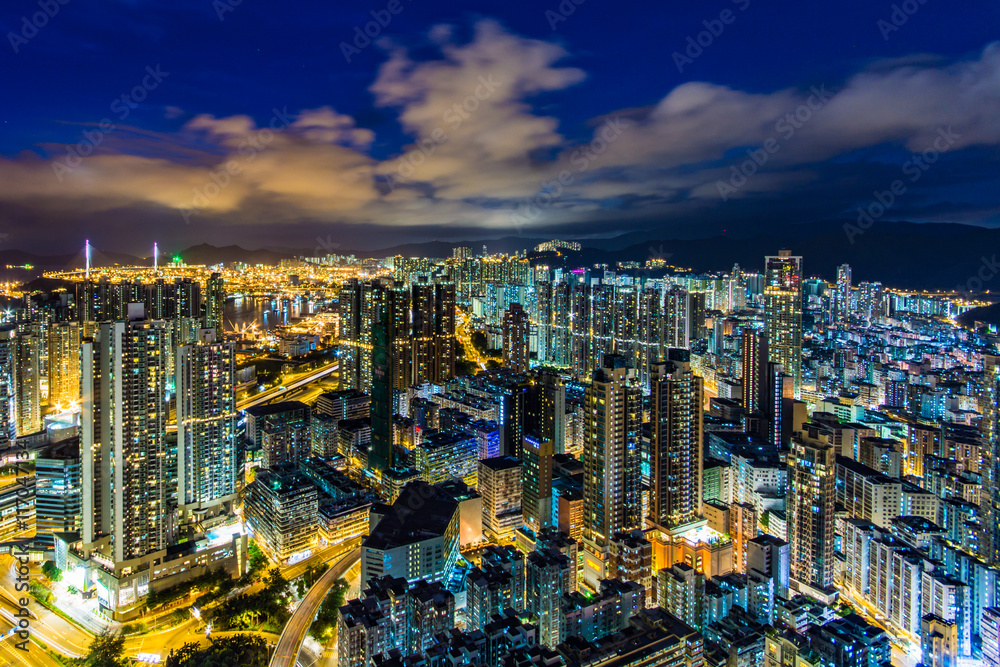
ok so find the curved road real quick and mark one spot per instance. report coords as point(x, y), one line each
point(287, 651)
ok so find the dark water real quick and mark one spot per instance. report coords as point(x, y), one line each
point(267, 314)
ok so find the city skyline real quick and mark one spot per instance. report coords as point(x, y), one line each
point(416, 334)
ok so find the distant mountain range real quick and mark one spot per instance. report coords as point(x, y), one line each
point(899, 254)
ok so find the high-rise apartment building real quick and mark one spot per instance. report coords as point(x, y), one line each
point(280, 432)
point(500, 485)
point(991, 469)
point(783, 312)
point(420, 336)
point(810, 511)
point(537, 482)
point(545, 407)
point(8, 428)
point(124, 425)
point(677, 318)
point(381, 456)
point(842, 295)
point(547, 577)
point(418, 538)
point(27, 383)
point(516, 330)
point(64, 364)
point(215, 302)
point(770, 556)
point(676, 441)
point(753, 348)
point(611, 461)
point(206, 426)
point(282, 511)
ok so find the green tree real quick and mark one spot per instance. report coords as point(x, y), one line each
point(244, 650)
point(107, 650)
point(478, 339)
point(258, 561)
point(266, 609)
point(39, 592)
point(326, 619)
point(50, 570)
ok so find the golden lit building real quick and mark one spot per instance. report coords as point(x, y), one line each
point(64, 364)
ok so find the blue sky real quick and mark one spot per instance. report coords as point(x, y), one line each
point(597, 120)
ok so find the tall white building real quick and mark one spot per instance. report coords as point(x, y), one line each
point(124, 425)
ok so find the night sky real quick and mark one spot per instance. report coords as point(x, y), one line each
point(273, 124)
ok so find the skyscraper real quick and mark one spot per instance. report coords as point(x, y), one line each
point(776, 406)
point(445, 345)
point(515, 338)
point(27, 383)
point(783, 313)
point(677, 318)
point(545, 407)
point(676, 441)
point(611, 461)
point(188, 298)
point(842, 297)
point(124, 422)
point(991, 471)
point(754, 351)
point(350, 333)
point(64, 364)
point(7, 426)
point(215, 302)
point(537, 482)
point(206, 425)
point(810, 510)
point(381, 457)
point(420, 337)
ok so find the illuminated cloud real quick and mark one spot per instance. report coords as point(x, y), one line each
point(478, 148)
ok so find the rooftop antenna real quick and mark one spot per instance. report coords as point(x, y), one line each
point(156, 256)
point(87, 253)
